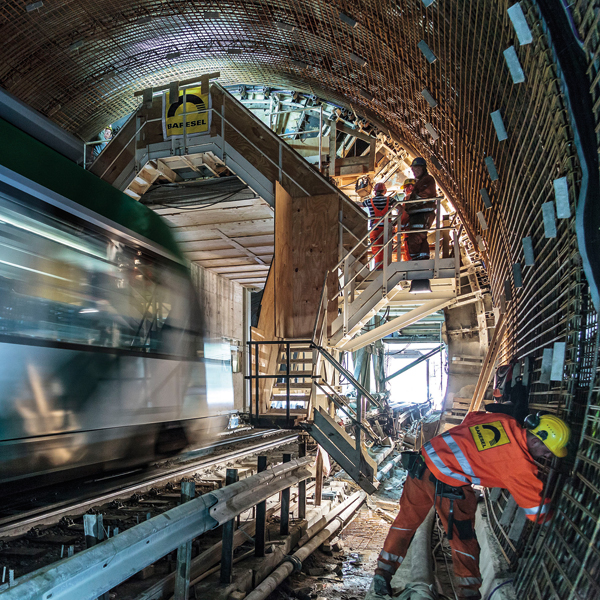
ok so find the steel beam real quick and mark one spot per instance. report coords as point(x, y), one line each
point(414, 363)
point(395, 324)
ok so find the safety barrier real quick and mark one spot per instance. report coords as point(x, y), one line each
point(95, 571)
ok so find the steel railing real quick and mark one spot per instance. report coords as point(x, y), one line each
point(224, 121)
point(93, 572)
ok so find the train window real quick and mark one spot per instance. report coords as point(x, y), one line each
point(62, 282)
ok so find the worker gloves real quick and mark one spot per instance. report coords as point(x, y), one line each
point(381, 586)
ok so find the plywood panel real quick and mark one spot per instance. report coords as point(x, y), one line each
point(283, 266)
point(233, 230)
point(315, 250)
point(248, 227)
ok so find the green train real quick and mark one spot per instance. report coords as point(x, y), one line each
point(103, 359)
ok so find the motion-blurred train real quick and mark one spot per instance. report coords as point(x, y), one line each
point(103, 361)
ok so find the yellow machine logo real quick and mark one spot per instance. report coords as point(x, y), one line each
point(489, 435)
point(194, 109)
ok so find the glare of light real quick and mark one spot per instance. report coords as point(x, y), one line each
point(43, 231)
point(84, 311)
point(4, 262)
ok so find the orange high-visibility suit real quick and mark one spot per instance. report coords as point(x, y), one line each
point(376, 234)
point(485, 449)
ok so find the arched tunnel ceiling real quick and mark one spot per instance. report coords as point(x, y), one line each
point(80, 63)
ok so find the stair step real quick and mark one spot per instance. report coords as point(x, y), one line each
point(296, 349)
point(298, 361)
point(293, 397)
point(282, 411)
point(294, 386)
point(296, 373)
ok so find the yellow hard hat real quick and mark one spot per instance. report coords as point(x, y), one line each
point(553, 431)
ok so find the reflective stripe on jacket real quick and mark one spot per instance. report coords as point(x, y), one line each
point(488, 449)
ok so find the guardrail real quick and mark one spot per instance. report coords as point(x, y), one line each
point(95, 571)
point(224, 121)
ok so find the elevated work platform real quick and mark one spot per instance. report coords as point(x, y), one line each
point(236, 238)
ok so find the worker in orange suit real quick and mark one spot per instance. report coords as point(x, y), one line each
point(487, 449)
point(421, 214)
point(378, 206)
point(407, 187)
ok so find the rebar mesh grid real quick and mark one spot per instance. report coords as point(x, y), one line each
point(80, 62)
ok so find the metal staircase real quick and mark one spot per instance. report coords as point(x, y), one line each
point(308, 373)
point(365, 288)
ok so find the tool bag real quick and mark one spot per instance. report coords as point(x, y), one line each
point(363, 186)
point(414, 463)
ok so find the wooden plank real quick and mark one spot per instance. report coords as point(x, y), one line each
point(251, 254)
point(488, 365)
point(237, 228)
point(254, 269)
point(332, 148)
point(233, 253)
point(245, 126)
point(353, 132)
point(216, 217)
point(210, 209)
point(242, 261)
point(257, 282)
point(238, 210)
point(264, 241)
point(283, 266)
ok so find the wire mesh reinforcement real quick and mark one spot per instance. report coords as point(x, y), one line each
point(413, 70)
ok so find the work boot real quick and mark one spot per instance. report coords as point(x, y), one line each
point(381, 586)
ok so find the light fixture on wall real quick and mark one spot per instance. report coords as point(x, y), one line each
point(420, 286)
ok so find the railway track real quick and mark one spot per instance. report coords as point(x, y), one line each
point(115, 490)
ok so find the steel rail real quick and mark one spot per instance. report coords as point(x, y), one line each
point(89, 574)
point(22, 526)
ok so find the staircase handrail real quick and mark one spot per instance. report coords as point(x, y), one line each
point(268, 131)
point(341, 369)
point(378, 222)
point(335, 398)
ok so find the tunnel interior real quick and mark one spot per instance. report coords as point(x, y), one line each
point(500, 98)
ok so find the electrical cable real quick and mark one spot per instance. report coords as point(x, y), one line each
point(199, 207)
point(498, 587)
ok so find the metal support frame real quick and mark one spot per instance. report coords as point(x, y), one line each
point(407, 319)
point(284, 521)
point(255, 374)
point(261, 516)
point(91, 573)
point(184, 552)
point(231, 477)
point(301, 484)
point(414, 363)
